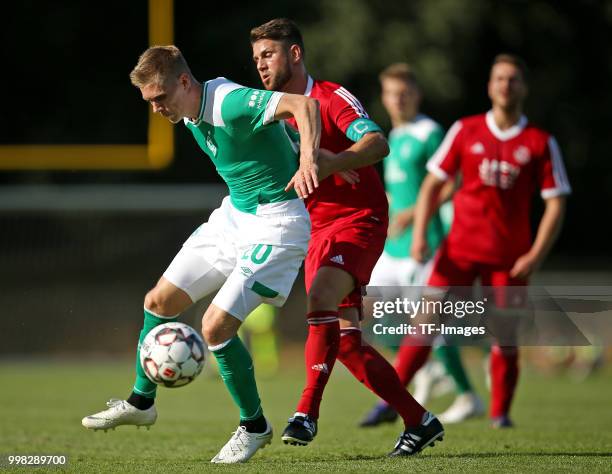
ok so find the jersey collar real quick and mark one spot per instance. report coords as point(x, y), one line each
point(309, 85)
point(202, 104)
point(508, 134)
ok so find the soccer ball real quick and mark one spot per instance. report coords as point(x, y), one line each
point(172, 354)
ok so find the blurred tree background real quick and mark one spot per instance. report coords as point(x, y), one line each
point(66, 64)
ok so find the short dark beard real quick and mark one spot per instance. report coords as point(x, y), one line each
point(284, 76)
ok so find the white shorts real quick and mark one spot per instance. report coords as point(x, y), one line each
point(249, 258)
point(400, 272)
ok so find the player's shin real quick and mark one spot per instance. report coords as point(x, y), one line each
point(236, 369)
point(504, 375)
point(320, 354)
point(372, 369)
point(144, 390)
point(451, 359)
point(410, 358)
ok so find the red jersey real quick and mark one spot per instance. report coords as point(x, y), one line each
point(501, 170)
point(335, 198)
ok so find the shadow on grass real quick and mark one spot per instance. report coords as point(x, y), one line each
point(362, 457)
point(523, 454)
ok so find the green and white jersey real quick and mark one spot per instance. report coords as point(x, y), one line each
point(252, 152)
point(411, 145)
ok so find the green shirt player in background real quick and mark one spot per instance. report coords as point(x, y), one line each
point(250, 249)
point(412, 141)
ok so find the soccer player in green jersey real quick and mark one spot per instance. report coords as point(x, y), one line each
point(252, 246)
point(412, 141)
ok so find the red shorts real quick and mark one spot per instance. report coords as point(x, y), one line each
point(351, 245)
point(458, 272)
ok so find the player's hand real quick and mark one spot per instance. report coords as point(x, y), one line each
point(305, 180)
point(400, 222)
point(419, 250)
point(524, 266)
point(326, 168)
point(350, 176)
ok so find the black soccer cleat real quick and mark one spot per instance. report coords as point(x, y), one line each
point(300, 431)
point(416, 438)
point(501, 422)
point(381, 413)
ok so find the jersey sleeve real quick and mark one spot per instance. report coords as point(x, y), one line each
point(445, 162)
point(551, 173)
point(244, 110)
point(349, 115)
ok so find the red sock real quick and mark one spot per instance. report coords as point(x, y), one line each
point(373, 370)
point(504, 376)
point(320, 354)
point(409, 360)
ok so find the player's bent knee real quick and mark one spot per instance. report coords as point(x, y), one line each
point(321, 298)
point(218, 326)
point(164, 303)
point(209, 332)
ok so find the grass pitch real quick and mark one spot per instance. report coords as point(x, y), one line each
point(561, 425)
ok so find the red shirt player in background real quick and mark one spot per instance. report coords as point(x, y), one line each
point(503, 161)
point(349, 214)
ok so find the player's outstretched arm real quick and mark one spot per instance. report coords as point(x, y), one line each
point(307, 116)
point(548, 231)
point(368, 150)
point(427, 203)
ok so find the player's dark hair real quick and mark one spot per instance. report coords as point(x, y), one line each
point(279, 29)
point(515, 61)
point(400, 71)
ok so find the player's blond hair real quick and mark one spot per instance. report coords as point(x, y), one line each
point(158, 64)
point(400, 71)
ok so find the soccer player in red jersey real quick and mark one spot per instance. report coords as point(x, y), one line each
point(503, 160)
point(349, 215)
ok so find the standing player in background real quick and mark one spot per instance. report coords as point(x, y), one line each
point(503, 161)
point(349, 226)
point(413, 140)
point(252, 246)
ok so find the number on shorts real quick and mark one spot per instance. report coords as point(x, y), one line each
point(257, 256)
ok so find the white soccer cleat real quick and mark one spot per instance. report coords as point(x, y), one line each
point(243, 445)
point(120, 412)
point(467, 405)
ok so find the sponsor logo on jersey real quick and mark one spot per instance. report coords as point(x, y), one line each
point(338, 259)
point(211, 144)
point(477, 148)
point(256, 99)
point(522, 155)
point(394, 173)
point(321, 368)
point(405, 151)
point(499, 174)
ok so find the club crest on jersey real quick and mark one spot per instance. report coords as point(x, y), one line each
point(522, 155)
point(477, 148)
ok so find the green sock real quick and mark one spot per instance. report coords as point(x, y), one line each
point(142, 385)
point(236, 369)
point(451, 359)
